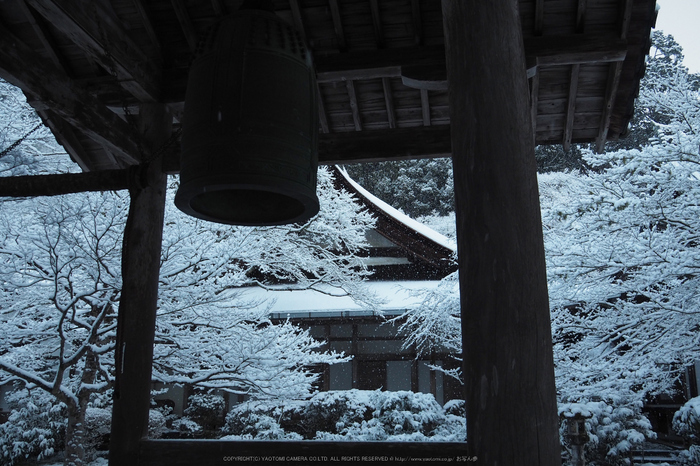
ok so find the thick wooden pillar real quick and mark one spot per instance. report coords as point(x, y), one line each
point(508, 366)
point(137, 307)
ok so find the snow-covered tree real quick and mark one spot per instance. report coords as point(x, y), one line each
point(61, 278)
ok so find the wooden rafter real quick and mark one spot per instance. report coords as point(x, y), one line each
point(389, 102)
point(354, 105)
point(534, 100)
point(147, 25)
point(219, 7)
point(377, 23)
point(43, 35)
point(614, 76)
point(581, 16)
point(296, 17)
point(57, 92)
point(183, 18)
point(539, 17)
point(417, 22)
point(338, 25)
point(106, 42)
point(322, 116)
point(425, 106)
point(571, 107)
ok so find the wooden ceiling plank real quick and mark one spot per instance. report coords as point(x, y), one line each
point(183, 18)
point(417, 22)
point(571, 107)
point(297, 18)
point(148, 25)
point(19, 65)
point(354, 106)
point(338, 25)
point(389, 102)
point(106, 42)
point(377, 23)
point(44, 36)
point(425, 106)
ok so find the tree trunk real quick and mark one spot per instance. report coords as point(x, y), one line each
point(75, 435)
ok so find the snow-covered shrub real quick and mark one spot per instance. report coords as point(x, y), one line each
point(98, 424)
point(354, 415)
point(35, 429)
point(614, 429)
point(206, 409)
point(255, 422)
point(686, 423)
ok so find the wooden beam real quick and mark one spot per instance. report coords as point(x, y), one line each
point(138, 304)
point(19, 65)
point(389, 102)
point(106, 41)
point(422, 142)
point(575, 49)
point(208, 453)
point(183, 18)
point(338, 25)
point(571, 107)
point(354, 106)
point(384, 145)
point(66, 183)
point(507, 345)
point(546, 50)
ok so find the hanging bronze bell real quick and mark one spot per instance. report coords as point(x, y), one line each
point(250, 126)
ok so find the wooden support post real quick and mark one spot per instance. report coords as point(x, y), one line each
point(137, 307)
point(508, 366)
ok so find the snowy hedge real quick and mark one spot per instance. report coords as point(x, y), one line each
point(352, 415)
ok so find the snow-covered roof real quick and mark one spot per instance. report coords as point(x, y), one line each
point(396, 297)
point(400, 217)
